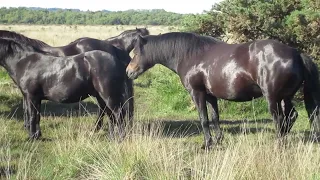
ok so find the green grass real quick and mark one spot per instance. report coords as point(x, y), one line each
point(165, 142)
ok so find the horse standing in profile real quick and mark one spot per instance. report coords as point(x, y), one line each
point(119, 46)
point(41, 76)
point(210, 69)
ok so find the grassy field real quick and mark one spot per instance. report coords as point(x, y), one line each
point(166, 138)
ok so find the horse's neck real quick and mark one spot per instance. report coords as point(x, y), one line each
point(170, 64)
point(166, 59)
point(10, 64)
point(55, 51)
point(121, 43)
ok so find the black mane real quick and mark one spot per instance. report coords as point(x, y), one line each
point(176, 44)
point(22, 39)
point(143, 31)
point(79, 39)
point(9, 47)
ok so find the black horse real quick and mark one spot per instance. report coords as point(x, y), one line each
point(126, 40)
point(40, 76)
point(210, 69)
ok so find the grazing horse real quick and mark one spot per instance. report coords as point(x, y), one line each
point(210, 69)
point(125, 41)
point(77, 47)
point(40, 76)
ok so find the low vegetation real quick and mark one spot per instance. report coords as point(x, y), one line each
point(166, 138)
point(293, 22)
point(51, 16)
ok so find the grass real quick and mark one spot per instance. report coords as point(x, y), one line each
point(166, 138)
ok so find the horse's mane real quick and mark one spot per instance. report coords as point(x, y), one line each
point(9, 47)
point(22, 39)
point(78, 40)
point(178, 44)
point(142, 31)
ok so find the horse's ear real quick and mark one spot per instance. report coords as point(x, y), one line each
point(142, 40)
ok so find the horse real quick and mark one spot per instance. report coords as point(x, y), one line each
point(125, 41)
point(210, 69)
point(41, 76)
point(77, 47)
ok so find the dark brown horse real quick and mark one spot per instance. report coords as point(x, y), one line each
point(41, 76)
point(210, 69)
point(126, 40)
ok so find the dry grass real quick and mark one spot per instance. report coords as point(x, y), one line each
point(77, 153)
point(64, 34)
point(167, 149)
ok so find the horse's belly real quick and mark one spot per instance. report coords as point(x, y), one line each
point(238, 92)
point(68, 93)
point(246, 93)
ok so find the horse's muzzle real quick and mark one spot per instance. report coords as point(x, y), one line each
point(131, 74)
point(133, 71)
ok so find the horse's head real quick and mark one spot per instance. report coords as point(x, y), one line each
point(133, 37)
point(139, 63)
point(142, 31)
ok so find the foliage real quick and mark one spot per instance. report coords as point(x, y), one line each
point(66, 16)
point(294, 22)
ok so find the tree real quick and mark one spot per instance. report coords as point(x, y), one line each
point(293, 22)
point(71, 16)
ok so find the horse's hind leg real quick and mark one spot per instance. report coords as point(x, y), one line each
point(116, 120)
point(101, 113)
point(277, 114)
point(213, 101)
point(290, 116)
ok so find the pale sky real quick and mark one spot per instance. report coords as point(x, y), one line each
point(179, 6)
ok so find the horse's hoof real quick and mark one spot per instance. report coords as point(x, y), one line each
point(35, 135)
point(96, 129)
point(207, 145)
point(26, 127)
point(315, 137)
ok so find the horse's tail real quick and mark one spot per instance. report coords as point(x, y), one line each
point(311, 91)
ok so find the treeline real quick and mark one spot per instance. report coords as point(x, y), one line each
point(293, 22)
point(24, 15)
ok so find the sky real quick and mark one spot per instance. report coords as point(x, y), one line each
point(178, 6)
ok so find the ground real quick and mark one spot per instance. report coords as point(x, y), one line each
point(165, 141)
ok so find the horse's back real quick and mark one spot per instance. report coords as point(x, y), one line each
point(240, 72)
point(101, 61)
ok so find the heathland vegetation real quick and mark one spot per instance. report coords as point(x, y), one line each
point(73, 16)
point(167, 135)
point(293, 22)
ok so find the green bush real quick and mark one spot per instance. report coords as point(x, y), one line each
point(293, 22)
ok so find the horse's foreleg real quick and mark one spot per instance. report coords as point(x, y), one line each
point(25, 115)
point(199, 99)
point(34, 117)
point(213, 101)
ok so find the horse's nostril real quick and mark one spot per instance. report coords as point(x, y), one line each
point(129, 73)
